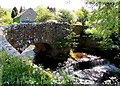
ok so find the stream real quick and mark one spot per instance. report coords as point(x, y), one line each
point(90, 70)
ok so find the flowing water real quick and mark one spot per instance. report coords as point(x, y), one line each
point(91, 69)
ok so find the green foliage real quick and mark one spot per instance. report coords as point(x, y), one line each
point(5, 18)
point(70, 40)
point(20, 70)
point(2, 12)
point(43, 14)
point(65, 16)
point(16, 20)
point(79, 14)
point(118, 56)
point(104, 23)
point(14, 12)
point(65, 79)
point(104, 27)
point(82, 15)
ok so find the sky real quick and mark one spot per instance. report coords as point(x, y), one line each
point(66, 4)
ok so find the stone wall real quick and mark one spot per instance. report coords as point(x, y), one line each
point(20, 36)
point(87, 42)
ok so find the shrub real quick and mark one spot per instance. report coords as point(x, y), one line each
point(5, 18)
point(20, 70)
point(43, 14)
point(65, 16)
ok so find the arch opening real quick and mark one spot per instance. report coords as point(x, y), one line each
point(47, 55)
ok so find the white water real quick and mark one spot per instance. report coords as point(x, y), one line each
point(105, 68)
point(29, 52)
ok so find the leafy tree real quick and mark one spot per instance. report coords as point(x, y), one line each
point(82, 15)
point(65, 16)
point(43, 14)
point(6, 20)
point(104, 23)
point(2, 12)
point(14, 12)
point(5, 17)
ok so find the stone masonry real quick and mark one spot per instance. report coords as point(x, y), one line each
point(20, 36)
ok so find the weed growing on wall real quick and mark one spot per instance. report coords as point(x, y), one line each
point(68, 41)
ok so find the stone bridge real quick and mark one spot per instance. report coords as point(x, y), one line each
point(20, 36)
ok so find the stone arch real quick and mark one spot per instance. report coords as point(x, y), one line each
point(44, 54)
point(21, 35)
point(43, 48)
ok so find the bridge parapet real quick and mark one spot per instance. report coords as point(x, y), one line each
point(21, 35)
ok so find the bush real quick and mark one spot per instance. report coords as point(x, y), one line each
point(21, 70)
point(5, 17)
point(104, 27)
point(43, 14)
point(82, 15)
point(104, 23)
point(65, 16)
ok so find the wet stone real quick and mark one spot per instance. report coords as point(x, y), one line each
point(94, 70)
